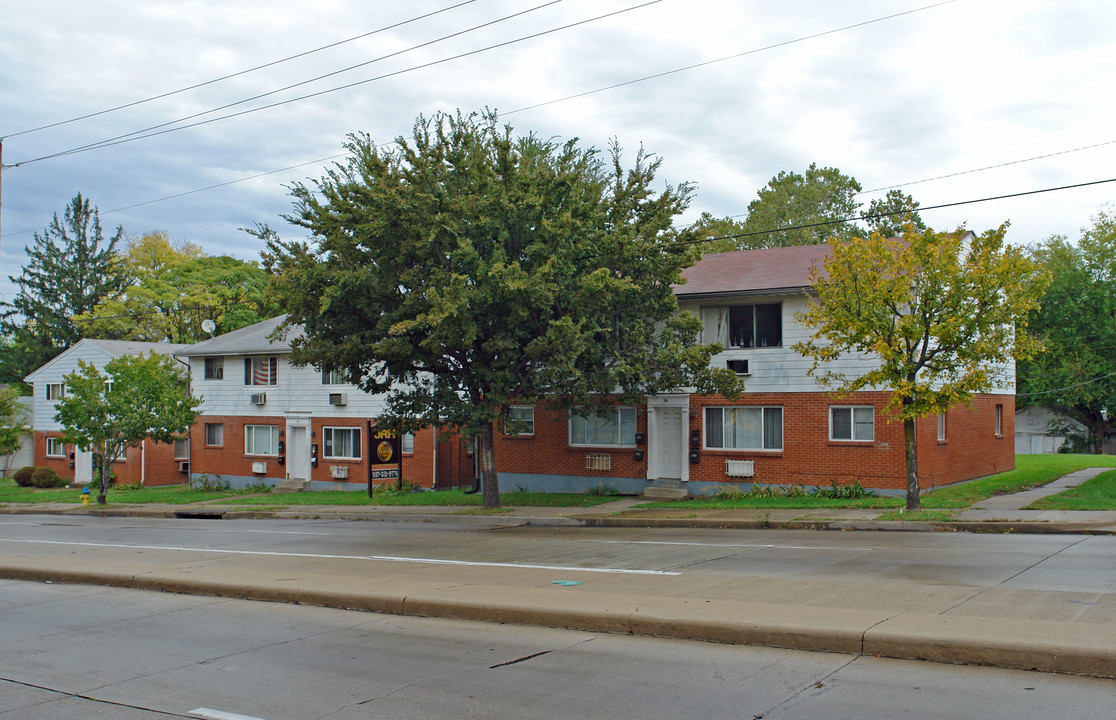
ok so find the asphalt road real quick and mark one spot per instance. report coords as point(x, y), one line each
point(919, 572)
point(70, 651)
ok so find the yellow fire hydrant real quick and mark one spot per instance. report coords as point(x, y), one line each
point(85, 496)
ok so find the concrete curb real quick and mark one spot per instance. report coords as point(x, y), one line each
point(1059, 647)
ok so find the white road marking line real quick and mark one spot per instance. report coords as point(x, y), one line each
point(211, 714)
point(386, 558)
point(730, 545)
point(198, 529)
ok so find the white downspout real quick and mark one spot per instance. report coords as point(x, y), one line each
point(143, 461)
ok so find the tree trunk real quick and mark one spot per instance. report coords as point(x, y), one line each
point(106, 476)
point(1098, 435)
point(910, 445)
point(487, 462)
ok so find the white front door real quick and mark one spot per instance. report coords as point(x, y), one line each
point(83, 466)
point(670, 442)
point(298, 453)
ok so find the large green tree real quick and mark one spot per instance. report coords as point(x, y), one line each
point(941, 314)
point(814, 207)
point(175, 287)
point(1076, 319)
point(136, 398)
point(469, 269)
point(71, 268)
point(13, 422)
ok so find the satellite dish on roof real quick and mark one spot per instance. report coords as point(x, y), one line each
point(209, 326)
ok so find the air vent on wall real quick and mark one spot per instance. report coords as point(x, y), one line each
point(338, 399)
point(258, 398)
point(740, 468)
point(338, 471)
point(598, 461)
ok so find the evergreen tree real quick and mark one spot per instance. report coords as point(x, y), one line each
point(70, 269)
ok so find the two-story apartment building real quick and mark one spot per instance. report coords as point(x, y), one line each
point(785, 429)
point(266, 421)
point(149, 464)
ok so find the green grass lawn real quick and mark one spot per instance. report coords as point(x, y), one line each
point(1096, 494)
point(439, 498)
point(1030, 471)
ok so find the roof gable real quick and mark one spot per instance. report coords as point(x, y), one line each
point(107, 349)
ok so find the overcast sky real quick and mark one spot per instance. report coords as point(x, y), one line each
point(936, 91)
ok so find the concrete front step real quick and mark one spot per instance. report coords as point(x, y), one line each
point(291, 486)
point(666, 489)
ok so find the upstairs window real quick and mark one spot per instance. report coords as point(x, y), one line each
point(215, 368)
point(55, 391)
point(261, 371)
point(744, 326)
point(334, 377)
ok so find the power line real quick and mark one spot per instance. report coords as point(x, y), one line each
point(238, 73)
point(826, 223)
point(131, 137)
point(730, 57)
point(1068, 387)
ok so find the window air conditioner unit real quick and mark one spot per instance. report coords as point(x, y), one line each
point(740, 367)
point(338, 471)
point(258, 398)
point(338, 399)
point(740, 468)
point(259, 468)
point(183, 466)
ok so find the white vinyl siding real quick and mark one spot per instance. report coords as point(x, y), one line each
point(616, 428)
point(852, 422)
point(342, 443)
point(261, 439)
point(744, 428)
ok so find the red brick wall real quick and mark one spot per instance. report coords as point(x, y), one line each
point(161, 466)
point(808, 456)
point(230, 458)
point(548, 451)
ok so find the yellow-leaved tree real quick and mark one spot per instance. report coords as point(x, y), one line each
point(943, 314)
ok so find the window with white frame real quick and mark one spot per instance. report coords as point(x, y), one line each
point(941, 427)
point(744, 428)
point(55, 447)
point(999, 420)
point(852, 422)
point(615, 427)
point(520, 420)
point(261, 439)
point(215, 434)
point(341, 442)
point(754, 325)
point(55, 391)
point(407, 443)
point(334, 377)
point(182, 449)
point(261, 371)
point(215, 368)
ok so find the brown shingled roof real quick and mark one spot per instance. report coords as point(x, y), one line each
point(753, 271)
